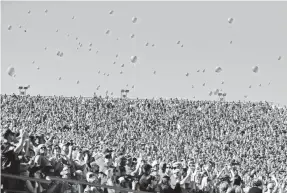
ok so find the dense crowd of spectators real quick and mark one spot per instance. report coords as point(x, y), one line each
point(163, 145)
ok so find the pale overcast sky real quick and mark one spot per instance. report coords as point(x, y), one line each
point(258, 35)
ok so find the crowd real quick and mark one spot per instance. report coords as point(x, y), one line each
point(162, 145)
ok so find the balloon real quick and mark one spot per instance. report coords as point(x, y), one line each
point(255, 69)
point(132, 35)
point(187, 74)
point(107, 32)
point(203, 70)
point(29, 12)
point(210, 93)
point(250, 86)
point(9, 27)
point(121, 72)
point(111, 12)
point(146, 44)
point(117, 55)
point(114, 62)
point(112, 93)
point(60, 78)
point(134, 59)
point(127, 85)
point(90, 49)
point(182, 46)
point(279, 58)
point(57, 30)
point(73, 17)
point(104, 74)
point(230, 20)
point(154, 72)
point(245, 96)
point(198, 71)
point(123, 65)
point(20, 26)
point(269, 83)
point(192, 86)
point(260, 85)
point(90, 44)
point(45, 48)
point(134, 19)
point(152, 45)
point(38, 68)
point(133, 86)
point(178, 42)
point(216, 91)
point(25, 30)
point(46, 11)
point(218, 69)
point(203, 84)
point(33, 62)
point(230, 42)
point(222, 82)
point(108, 74)
point(77, 38)
point(78, 82)
point(11, 71)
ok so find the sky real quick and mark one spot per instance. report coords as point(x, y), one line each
point(258, 35)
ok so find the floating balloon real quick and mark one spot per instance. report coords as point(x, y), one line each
point(210, 93)
point(57, 30)
point(77, 38)
point(245, 96)
point(90, 44)
point(33, 62)
point(11, 71)
point(60, 78)
point(25, 30)
point(255, 69)
point(222, 82)
point(46, 11)
point(216, 91)
point(114, 63)
point(45, 48)
point(111, 12)
point(279, 58)
point(154, 72)
point(250, 86)
point(99, 72)
point(123, 65)
point(187, 74)
point(230, 42)
point(90, 49)
point(78, 82)
point(104, 74)
point(230, 20)
point(198, 71)
point(117, 55)
point(192, 86)
point(182, 46)
point(29, 12)
point(112, 93)
point(38, 68)
point(134, 59)
point(178, 42)
point(146, 44)
point(152, 45)
point(108, 32)
point(121, 72)
point(133, 86)
point(260, 85)
point(9, 27)
point(108, 74)
point(127, 85)
point(134, 19)
point(73, 17)
point(132, 35)
point(269, 83)
point(218, 69)
point(203, 84)
point(20, 26)
point(203, 70)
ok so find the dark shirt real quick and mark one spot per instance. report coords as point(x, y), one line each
point(10, 162)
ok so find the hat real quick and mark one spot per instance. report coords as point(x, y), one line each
point(7, 132)
point(41, 145)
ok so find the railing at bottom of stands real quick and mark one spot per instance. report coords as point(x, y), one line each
point(24, 178)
